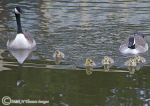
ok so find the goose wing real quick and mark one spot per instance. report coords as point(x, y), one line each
point(28, 37)
point(124, 45)
point(140, 41)
point(141, 44)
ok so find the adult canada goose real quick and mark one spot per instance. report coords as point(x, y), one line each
point(135, 44)
point(22, 40)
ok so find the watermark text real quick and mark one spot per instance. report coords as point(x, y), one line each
point(6, 100)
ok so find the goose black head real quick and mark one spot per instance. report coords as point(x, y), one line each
point(18, 10)
point(131, 43)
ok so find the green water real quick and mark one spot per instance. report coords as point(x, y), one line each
point(73, 87)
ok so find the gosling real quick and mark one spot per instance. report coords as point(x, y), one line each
point(139, 59)
point(107, 62)
point(58, 56)
point(131, 64)
point(89, 64)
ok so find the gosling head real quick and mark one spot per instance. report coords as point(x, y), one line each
point(107, 60)
point(131, 62)
point(58, 54)
point(89, 62)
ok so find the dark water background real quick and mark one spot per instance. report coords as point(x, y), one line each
point(80, 29)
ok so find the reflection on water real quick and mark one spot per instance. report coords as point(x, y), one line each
point(75, 87)
point(2, 63)
point(81, 29)
point(20, 55)
point(20, 83)
point(127, 99)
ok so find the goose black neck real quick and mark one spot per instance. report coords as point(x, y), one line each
point(19, 28)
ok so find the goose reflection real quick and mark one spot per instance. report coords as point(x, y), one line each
point(20, 83)
point(21, 55)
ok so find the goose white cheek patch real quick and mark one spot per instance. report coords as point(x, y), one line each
point(16, 11)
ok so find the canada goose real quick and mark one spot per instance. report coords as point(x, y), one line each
point(22, 40)
point(58, 56)
point(135, 44)
point(107, 62)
